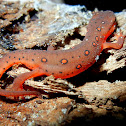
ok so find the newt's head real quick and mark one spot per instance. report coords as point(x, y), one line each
point(103, 23)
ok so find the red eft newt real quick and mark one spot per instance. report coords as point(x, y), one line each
point(63, 63)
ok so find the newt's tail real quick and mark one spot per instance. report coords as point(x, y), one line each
point(15, 57)
point(19, 93)
point(6, 62)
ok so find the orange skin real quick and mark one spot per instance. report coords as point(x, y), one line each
point(63, 63)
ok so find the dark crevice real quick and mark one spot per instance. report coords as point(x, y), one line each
point(75, 35)
point(39, 47)
point(100, 4)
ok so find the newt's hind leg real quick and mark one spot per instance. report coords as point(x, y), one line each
point(117, 45)
point(17, 89)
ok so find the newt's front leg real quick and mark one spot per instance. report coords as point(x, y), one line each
point(117, 45)
point(17, 89)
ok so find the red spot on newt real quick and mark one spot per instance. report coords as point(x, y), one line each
point(78, 66)
point(94, 44)
point(44, 60)
point(63, 63)
point(96, 38)
point(86, 52)
point(98, 29)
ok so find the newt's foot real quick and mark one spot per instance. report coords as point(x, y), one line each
point(120, 34)
point(119, 44)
